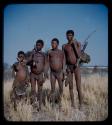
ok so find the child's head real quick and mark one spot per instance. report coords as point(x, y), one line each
point(54, 43)
point(21, 55)
point(39, 44)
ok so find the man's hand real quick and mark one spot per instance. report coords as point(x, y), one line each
point(67, 80)
point(64, 75)
point(46, 76)
point(34, 63)
point(18, 59)
point(78, 60)
point(27, 84)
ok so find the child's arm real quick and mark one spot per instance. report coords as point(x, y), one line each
point(14, 69)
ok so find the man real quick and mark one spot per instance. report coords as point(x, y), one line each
point(37, 62)
point(72, 52)
point(56, 63)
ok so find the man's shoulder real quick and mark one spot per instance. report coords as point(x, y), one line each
point(60, 51)
point(30, 53)
point(40, 53)
point(77, 42)
point(64, 45)
point(36, 52)
point(43, 53)
point(49, 51)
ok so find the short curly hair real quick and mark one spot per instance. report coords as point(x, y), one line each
point(55, 39)
point(40, 41)
point(70, 32)
point(20, 52)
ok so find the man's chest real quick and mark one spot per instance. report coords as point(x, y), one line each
point(68, 48)
point(38, 55)
point(55, 54)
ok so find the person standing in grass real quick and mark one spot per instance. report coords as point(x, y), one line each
point(21, 78)
point(72, 51)
point(56, 63)
point(37, 62)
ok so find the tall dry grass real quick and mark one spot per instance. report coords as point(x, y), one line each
point(95, 103)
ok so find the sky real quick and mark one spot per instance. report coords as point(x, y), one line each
point(24, 24)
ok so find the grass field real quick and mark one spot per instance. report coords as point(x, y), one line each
point(95, 103)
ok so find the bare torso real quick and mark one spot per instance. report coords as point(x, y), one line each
point(39, 60)
point(69, 54)
point(21, 73)
point(56, 60)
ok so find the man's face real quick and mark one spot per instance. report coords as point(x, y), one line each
point(54, 44)
point(70, 37)
point(39, 46)
point(21, 57)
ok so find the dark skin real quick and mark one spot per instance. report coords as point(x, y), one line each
point(20, 69)
point(56, 62)
point(71, 59)
point(21, 73)
point(37, 66)
point(38, 61)
point(21, 77)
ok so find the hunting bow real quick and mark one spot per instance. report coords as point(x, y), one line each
point(84, 46)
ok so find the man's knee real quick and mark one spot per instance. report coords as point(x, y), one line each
point(77, 74)
point(40, 81)
point(40, 84)
point(52, 87)
point(32, 80)
point(61, 88)
point(71, 85)
point(33, 84)
point(52, 91)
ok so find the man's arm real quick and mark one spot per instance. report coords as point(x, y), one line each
point(64, 64)
point(46, 67)
point(64, 59)
point(77, 50)
point(29, 56)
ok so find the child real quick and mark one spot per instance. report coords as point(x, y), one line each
point(21, 78)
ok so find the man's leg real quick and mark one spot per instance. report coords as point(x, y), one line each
point(71, 89)
point(40, 86)
point(53, 82)
point(33, 88)
point(60, 83)
point(78, 84)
